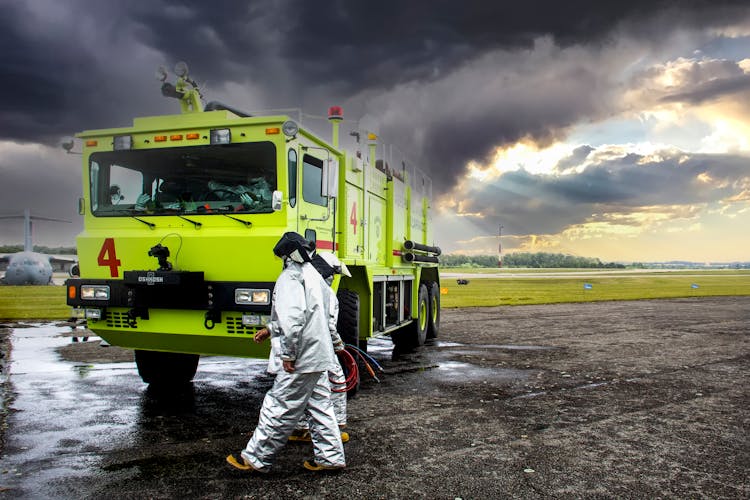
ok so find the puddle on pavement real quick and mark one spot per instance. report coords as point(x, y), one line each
point(65, 415)
point(380, 347)
point(450, 371)
point(53, 412)
point(507, 347)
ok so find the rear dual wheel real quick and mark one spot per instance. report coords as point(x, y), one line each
point(433, 322)
point(415, 333)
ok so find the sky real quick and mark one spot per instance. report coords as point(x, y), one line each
point(617, 130)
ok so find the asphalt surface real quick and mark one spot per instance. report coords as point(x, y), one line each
point(644, 399)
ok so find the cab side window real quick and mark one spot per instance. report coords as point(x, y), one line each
point(292, 174)
point(312, 181)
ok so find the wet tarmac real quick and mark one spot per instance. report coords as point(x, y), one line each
point(525, 402)
point(67, 415)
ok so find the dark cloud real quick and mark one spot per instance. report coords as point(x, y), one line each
point(392, 41)
point(65, 75)
point(448, 81)
point(46, 181)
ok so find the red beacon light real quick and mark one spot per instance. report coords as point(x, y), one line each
point(336, 113)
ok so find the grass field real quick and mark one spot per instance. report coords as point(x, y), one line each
point(537, 289)
point(33, 302)
point(48, 302)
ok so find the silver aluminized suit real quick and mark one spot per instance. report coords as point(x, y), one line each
point(336, 375)
point(300, 322)
point(336, 372)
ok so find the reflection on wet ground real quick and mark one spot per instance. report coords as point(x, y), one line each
point(66, 414)
point(454, 371)
point(507, 347)
point(70, 418)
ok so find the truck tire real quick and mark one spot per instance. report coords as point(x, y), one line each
point(348, 321)
point(433, 326)
point(415, 334)
point(348, 327)
point(166, 368)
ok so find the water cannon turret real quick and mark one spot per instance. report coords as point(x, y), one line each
point(185, 89)
point(161, 253)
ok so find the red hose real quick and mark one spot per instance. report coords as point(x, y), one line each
point(350, 365)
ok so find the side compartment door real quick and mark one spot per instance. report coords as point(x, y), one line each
point(355, 229)
point(376, 228)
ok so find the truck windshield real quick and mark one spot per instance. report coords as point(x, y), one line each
point(232, 178)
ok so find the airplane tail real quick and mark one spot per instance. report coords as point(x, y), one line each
point(27, 218)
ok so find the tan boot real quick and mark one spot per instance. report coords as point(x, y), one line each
point(311, 465)
point(243, 464)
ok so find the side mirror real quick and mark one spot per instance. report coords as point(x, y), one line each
point(331, 178)
point(276, 199)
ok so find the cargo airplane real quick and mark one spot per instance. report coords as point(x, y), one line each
point(29, 267)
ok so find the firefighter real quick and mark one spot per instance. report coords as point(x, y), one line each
point(328, 265)
point(299, 318)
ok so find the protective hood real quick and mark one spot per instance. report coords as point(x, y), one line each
point(294, 246)
point(335, 264)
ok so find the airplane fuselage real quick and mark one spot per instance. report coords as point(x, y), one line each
point(28, 268)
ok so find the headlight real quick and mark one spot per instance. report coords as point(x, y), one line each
point(95, 292)
point(252, 296)
point(221, 136)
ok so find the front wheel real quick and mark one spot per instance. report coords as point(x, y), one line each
point(166, 368)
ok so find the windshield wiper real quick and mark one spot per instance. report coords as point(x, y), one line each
point(194, 223)
point(149, 224)
point(245, 222)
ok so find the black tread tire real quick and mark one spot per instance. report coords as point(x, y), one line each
point(166, 368)
point(348, 321)
point(415, 334)
point(433, 321)
point(348, 326)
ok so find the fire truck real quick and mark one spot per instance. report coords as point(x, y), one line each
point(181, 213)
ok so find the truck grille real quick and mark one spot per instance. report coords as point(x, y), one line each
point(120, 320)
point(234, 325)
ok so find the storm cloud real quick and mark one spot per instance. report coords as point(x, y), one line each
point(88, 64)
point(447, 82)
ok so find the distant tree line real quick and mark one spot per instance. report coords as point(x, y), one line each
point(534, 260)
point(40, 249)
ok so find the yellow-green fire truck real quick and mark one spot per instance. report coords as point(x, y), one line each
point(181, 213)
